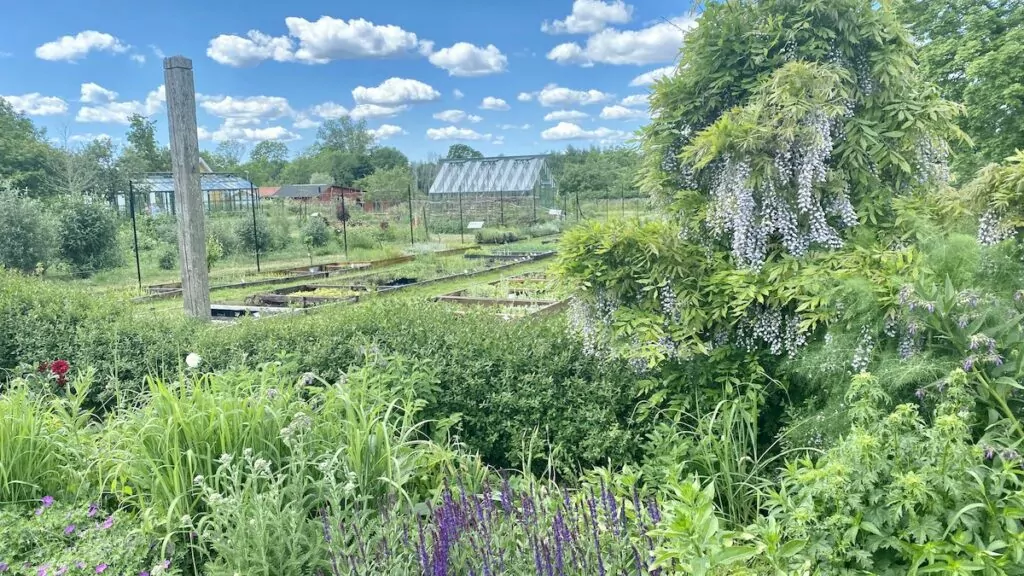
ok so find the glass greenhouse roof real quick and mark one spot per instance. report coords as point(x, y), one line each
point(208, 183)
point(501, 174)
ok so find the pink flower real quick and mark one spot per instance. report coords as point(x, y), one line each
point(47, 501)
point(101, 568)
point(92, 510)
point(69, 529)
point(107, 523)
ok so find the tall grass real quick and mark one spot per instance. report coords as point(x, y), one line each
point(34, 451)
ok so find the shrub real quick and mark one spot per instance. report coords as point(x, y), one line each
point(361, 238)
point(27, 235)
point(497, 236)
point(249, 237)
point(223, 229)
point(214, 252)
point(163, 227)
point(543, 229)
point(316, 232)
point(168, 258)
point(87, 235)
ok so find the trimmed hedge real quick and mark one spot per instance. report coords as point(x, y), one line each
point(508, 380)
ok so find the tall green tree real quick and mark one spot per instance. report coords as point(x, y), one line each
point(389, 184)
point(973, 49)
point(25, 155)
point(143, 154)
point(387, 157)
point(462, 152)
point(344, 135)
point(267, 161)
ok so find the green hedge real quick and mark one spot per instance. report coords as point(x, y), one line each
point(508, 380)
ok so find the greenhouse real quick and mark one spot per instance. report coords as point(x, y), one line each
point(154, 193)
point(501, 189)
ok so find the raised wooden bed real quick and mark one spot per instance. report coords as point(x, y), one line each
point(516, 285)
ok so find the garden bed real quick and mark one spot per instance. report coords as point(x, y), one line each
point(513, 297)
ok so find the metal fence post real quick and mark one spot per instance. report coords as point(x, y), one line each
point(412, 236)
point(501, 206)
point(255, 228)
point(135, 232)
point(462, 226)
point(344, 223)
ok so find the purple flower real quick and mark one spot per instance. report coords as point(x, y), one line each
point(101, 568)
point(69, 529)
point(108, 523)
point(144, 573)
point(4, 567)
point(61, 571)
point(968, 363)
point(989, 453)
point(80, 565)
point(93, 509)
point(919, 393)
point(166, 564)
point(43, 570)
point(47, 501)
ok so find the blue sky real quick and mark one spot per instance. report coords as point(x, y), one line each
point(505, 77)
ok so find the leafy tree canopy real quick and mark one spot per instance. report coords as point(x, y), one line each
point(973, 50)
point(462, 151)
point(24, 152)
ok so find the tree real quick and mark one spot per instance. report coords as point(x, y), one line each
point(344, 135)
point(71, 170)
point(227, 157)
point(27, 235)
point(462, 152)
point(385, 157)
point(87, 234)
point(387, 185)
point(24, 152)
point(973, 50)
point(347, 167)
point(267, 161)
point(786, 126)
point(143, 152)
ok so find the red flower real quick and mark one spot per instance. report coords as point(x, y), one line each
point(60, 368)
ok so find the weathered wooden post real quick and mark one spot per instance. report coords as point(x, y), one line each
point(181, 114)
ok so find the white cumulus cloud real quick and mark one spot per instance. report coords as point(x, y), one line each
point(554, 96)
point(648, 78)
point(456, 133)
point(316, 42)
point(492, 103)
point(394, 92)
point(375, 111)
point(72, 48)
point(458, 94)
point(622, 113)
point(246, 107)
point(514, 127)
point(87, 138)
point(456, 116)
point(93, 93)
point(249, 50)
point(657, 43)
point(635, 100)
point(35, 104)
point(465, 59)
point(569, 131)
point(524, 97)
point(232, 129)
point(560, 115)
point(304, 122)
point(330, 111)
point(386, 131)
point(116, 112)
point(589, 16)
point(335, 39)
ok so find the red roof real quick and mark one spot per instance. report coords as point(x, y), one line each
point(267, 191)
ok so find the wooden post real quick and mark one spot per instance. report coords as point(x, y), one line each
point(181, 116)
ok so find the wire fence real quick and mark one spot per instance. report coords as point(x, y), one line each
point(253, 236)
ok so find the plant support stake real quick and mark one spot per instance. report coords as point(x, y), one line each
point(462, 226)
